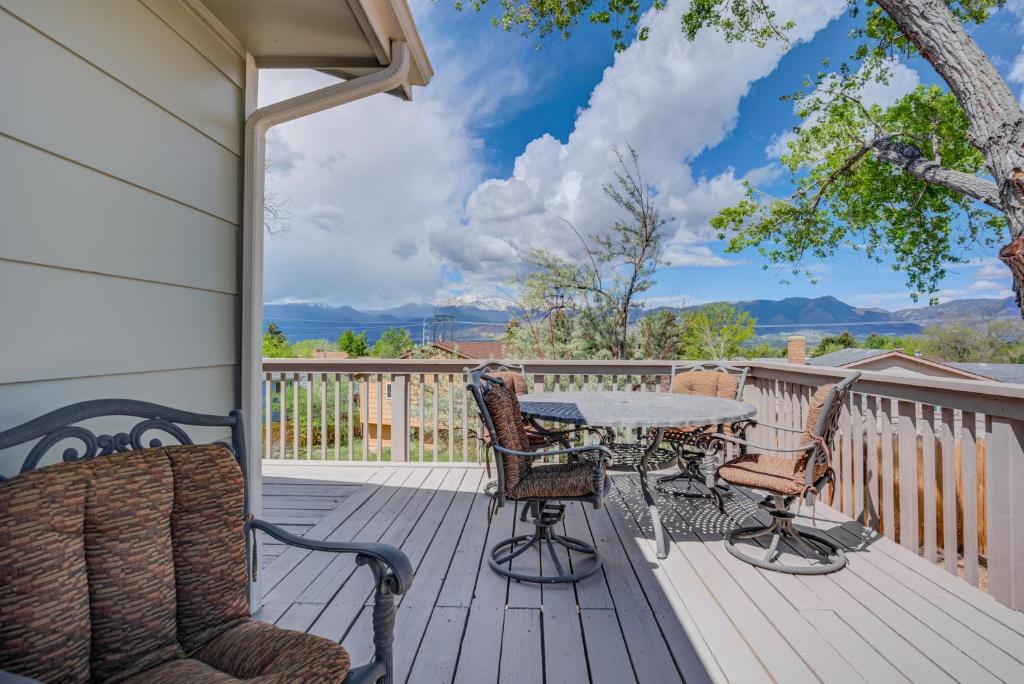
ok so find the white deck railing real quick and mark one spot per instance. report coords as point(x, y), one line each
point(954, 448)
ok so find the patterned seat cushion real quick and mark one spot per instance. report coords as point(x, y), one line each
point(44, 586)
point(130, 557)
point(705, 383)
point(117, 568)
point(513, 380)
point(772, 472)
point(209, 542)
point(265, 653)
point(555, 481)
point(503, 407)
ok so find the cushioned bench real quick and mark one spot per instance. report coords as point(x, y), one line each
point(132, 567)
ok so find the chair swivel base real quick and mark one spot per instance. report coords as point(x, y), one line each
point(690, 469)
point(782, 528)
point(545, 518)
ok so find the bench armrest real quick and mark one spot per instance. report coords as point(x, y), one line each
point(391, 557)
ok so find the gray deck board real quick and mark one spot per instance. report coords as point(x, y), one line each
point(699, 615)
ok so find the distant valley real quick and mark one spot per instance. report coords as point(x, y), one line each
point(479, 319)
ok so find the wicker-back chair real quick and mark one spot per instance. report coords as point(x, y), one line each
point(514, 377)
point(788, 474)
point(690, 443)
point(521, 479)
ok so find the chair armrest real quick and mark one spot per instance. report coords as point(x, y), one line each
point(754, 421)
point(606, 453)
point(718, 436)
point(396, 561)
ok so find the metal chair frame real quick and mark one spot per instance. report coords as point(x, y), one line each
point(782, 527)
point(693, 451)
point(544, 515)
point(392, 570)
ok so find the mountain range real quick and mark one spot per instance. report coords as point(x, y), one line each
point(477, 318)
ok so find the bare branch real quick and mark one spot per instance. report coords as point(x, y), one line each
point(911, 160)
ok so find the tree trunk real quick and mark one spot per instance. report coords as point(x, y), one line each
point(996, 120)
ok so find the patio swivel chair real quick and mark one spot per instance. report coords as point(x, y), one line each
point(514, 376)
point(786, 475)
point(128, 561)
point(691, 444)
point(522, 480)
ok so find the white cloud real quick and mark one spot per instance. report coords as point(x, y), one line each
point(668, 98)
point(365, 186)
point(388, 199)
point(1017, 70)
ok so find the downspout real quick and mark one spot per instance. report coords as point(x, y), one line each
point(256, 127)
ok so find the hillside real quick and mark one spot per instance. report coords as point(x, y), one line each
point(480, 318)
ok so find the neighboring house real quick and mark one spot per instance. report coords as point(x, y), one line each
point(131, 248)
point(470, 349)
point(898, 362)
point(324, 354)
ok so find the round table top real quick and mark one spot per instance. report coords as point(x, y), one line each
point(633, 409)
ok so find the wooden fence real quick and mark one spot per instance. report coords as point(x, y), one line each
point(953, 448)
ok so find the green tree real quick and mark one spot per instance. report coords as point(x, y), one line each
point(600, 290)
point(275, 344)
point(392, 343)
point(917, 182)
point(352, 343)
point(658, 335)
point(715, 331)
point(831, 343)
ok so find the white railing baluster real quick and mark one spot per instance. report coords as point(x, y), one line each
point(969, 477)
point(907, 437)
point(888, 469)
point(323, 416)
point(282, 401)
point(451, 417)
point(295, 415)
point(351, 416)
point(929, 484)
point(947, 446)
point(336, 415)
point(846, 457)
point(857, 434)
point(872, 461)
point(268, 414)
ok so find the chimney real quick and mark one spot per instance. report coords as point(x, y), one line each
point(796, 349)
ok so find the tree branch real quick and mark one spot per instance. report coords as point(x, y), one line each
point(911, 160)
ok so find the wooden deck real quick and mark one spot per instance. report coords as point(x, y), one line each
point(698, 615)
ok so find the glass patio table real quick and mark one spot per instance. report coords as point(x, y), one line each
point(638, 412)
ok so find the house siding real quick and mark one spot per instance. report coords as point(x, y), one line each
point(120, 178)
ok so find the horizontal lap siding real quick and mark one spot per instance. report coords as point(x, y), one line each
point(120, 178)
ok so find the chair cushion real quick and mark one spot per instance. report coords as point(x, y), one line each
point(130, 557)
point(44, 587)
point(556, 480)
point(182, 671)
point(705, 383)
point(814, 408)
point(513, 380)
point(209, 542)
point(257, 649)
point(778, 473)
point(503, 406)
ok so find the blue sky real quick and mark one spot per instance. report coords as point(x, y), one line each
point(392, 202)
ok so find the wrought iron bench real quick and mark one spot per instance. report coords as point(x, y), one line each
point(129, 561)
